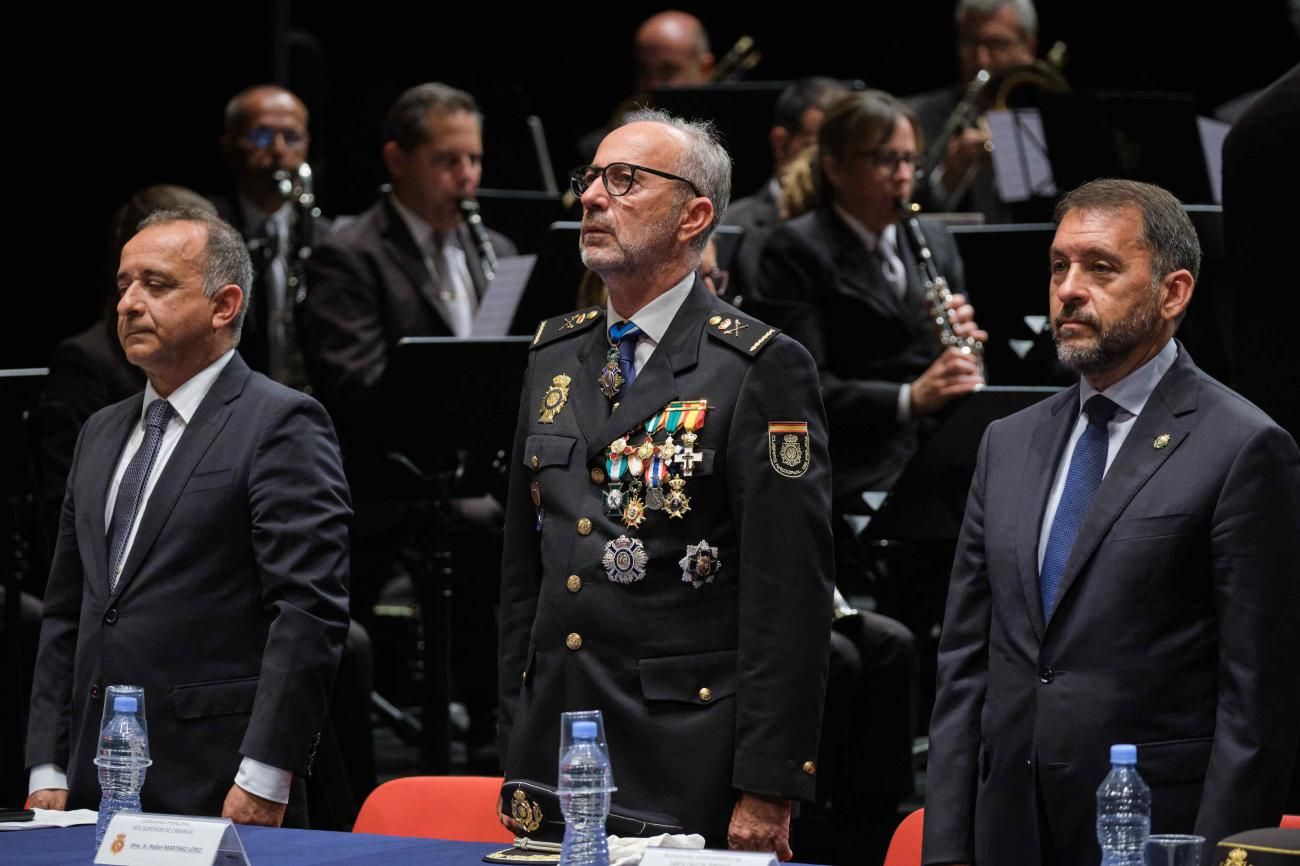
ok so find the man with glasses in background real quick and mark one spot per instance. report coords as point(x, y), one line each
point(265, 139)
point(667, 553)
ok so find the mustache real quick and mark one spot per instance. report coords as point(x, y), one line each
point(1073, 312)
point(592, 221)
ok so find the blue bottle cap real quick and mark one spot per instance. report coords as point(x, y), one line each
point(584, 730)
point(1124, 753)
point(124, 704)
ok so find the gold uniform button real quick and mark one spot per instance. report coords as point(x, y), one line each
point(535, 461)
point(809, 767)
point(574, 583)
point(584, 526)
point(706, 695)
point(573, 641)
point(597, 475)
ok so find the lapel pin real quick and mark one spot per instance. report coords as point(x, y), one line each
point(1161, 441)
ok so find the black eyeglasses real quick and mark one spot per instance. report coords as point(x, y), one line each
point(890, 159)
point(262, 137)
point(618, 178)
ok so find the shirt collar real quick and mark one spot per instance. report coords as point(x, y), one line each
point(185, 400)
point(255, 218)
point(869, 239)
point(419, 229)
point(1132, 392)
point(654, 318)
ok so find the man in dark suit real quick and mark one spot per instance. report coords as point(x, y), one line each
point(667, 556)
point(202, 553)
point(798, 114)
point(992, 35)
point(1125, 573)
point(407, 267)
point(266, 142)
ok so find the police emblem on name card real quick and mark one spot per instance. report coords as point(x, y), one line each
point(788, 447)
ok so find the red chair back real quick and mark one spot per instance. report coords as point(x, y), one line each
point(462, 808)
point(1292, 821)
point(905, 847)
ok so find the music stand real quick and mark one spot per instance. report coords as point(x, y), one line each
point(1151, 137)
point(448, 418)
point(926, 504)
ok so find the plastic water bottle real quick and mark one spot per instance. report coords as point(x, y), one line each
point(585, 785)
point(1123, 810)
point(122, 760)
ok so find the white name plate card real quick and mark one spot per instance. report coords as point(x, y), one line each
point(141, 839)
point(705, 857)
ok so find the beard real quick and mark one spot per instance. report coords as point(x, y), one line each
point(632, 249)
point(1110, 344)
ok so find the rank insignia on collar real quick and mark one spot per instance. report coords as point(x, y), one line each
point(788, 447)
point(554, 399)
point(700, 564)
point(625, 559)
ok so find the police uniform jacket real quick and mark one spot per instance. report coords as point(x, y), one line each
point(707, 685)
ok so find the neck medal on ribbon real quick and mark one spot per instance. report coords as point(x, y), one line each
point(651, 475)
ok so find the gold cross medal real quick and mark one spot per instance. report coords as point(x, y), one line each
point(676, 503)
point(554, 399)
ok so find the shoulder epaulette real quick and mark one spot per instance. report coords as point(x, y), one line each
point(549, 330)
point(745, 335)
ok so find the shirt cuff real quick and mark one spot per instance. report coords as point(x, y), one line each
point(263, 780)
point(47, 776)
point(904, 403)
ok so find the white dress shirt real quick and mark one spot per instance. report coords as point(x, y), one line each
point(459, 299)
point(653, 319)
point(271, 783)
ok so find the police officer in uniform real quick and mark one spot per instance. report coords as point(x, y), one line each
point(668, 550)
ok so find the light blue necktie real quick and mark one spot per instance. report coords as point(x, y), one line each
point(1087, 465)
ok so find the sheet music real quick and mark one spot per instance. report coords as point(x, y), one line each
point(1213, 132)
point(496, 309)
point(1020, 162)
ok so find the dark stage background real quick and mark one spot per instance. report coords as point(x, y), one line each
point(108, 100)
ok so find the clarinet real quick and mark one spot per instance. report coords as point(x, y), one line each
point(296, 188)
point(937, 293)
point(487, 256)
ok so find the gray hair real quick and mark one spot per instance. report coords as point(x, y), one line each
point(1026, 14)
point(225, 261)
point(407, 122)
point(705, 162)
point(1167, 231)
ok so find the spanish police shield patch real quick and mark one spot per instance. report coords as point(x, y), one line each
point(788, 447)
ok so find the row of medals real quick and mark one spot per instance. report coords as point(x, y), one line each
point(637, 473)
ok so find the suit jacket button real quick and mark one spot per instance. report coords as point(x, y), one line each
point(597, 475)
point(1046, 675)
point(809, 767)
point(111, 616)
point(573, 641)
point(706, 695)
point(573, 584)
point(584, 526)
point(94, 691)
point(535, 461)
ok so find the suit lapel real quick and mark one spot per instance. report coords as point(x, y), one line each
point(101, 460)
point(1137, 460)
point(589, 404)
point(208, 421)
point(403, 250)
point(1045, 449)
point(859, 273)
point(656, 384)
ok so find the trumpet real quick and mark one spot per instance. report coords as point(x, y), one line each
point(937, 292)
